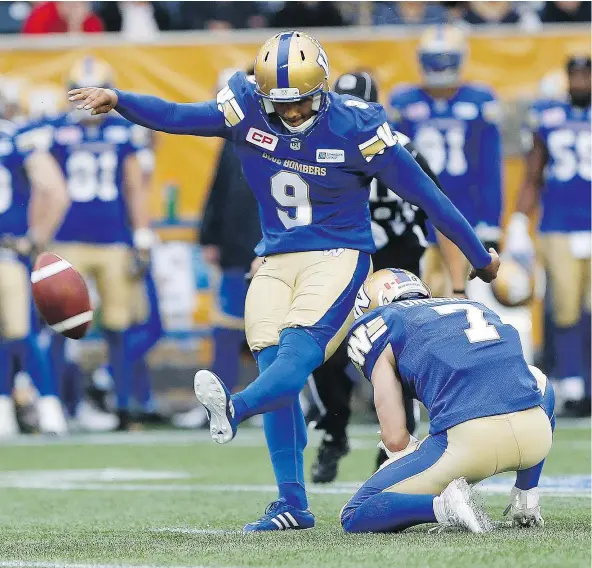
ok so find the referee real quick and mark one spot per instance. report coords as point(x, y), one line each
point(399, 234)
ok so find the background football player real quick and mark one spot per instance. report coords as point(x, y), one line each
point(455, 126)
point(308, 155)
point(558, 179)
point(107, 190)
point(147, 327)
point(489, 411)
point(398, 228)
point(33, 200)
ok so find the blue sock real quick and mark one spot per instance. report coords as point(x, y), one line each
point(57, 361)
point(5, 370)
point(266, 357)
point(529, 478)
point(286, 436)
point(585, 323)
point(227, 351)
point(34, 361)
point(71, 387)
point(568, 351)
point(121, 366)
point(280, 384)
point(141, 338)
point(142, 384)
point(389, 512)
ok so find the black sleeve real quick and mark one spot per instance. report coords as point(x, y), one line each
point(423, 164)
point(211, 225)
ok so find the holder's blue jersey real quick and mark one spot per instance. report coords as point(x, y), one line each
point(312, 187)
point(565, 132)
point(15, 147)
point(92, 157)
point(455, 356)
point(461, 141)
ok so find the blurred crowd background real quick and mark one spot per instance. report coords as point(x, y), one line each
point(185, 51)
point(143, 20)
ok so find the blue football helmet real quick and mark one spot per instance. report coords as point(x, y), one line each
point(441, 53)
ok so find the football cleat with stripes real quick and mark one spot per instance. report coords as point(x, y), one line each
point(212, 393)
point(279, 516)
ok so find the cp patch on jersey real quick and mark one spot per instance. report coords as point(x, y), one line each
point(262, 139)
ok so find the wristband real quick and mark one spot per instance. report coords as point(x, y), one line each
point(143, 238)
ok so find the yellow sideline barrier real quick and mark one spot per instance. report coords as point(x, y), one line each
point(512, 64)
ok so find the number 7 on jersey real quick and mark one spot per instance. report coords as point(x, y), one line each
point(478, 330)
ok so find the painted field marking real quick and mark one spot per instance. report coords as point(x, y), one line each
point(248, 437)
point(43, 564)
point(111, 480)
point(187, 530)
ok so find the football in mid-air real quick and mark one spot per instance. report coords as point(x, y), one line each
point(61, 296)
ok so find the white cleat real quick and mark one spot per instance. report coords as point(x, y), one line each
point(524, 508)
point(192, 419)
point(455, 507)
point(51, 415)
point(212, 393)
point(92, 419)
point(8, 423)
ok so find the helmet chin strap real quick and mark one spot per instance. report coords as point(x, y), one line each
point(298, 129)
point(317, 100)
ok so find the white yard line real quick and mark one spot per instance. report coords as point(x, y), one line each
point(186, 530)
point(43, 564)
point(247, 437)
point(567, 486)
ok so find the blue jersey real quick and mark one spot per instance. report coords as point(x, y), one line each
point(455, 356)
point(312, 187)
point(15, 147)
point(92, 157)
point(565, 132)
point(461, 141)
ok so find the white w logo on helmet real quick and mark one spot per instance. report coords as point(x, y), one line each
point(323, 61)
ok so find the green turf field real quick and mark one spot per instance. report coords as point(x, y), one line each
point(176, 499)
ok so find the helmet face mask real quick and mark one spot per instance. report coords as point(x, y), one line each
point(290, 67)
point(387, 286)
point(441, 56)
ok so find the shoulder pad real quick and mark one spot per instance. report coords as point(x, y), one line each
point(485, 99)
point(348, 115)
point(233, 99)
point(478, 92)
point(404, 94)
point(36, 137)
point(376, 137)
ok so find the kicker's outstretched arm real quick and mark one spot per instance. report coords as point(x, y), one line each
point(200, 119)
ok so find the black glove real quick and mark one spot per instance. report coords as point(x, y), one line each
point(491, 244)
